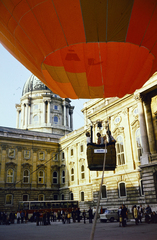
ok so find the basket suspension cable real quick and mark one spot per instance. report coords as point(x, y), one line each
point(96, 213)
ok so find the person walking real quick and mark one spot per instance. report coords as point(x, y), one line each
point(136, 215)
point(84, 216)
point(90, 215)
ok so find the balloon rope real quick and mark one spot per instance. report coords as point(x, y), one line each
point(96, 213)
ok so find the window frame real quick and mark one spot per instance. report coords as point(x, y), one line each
point(39, 199)
point(27, 197)
point(10, 176)
point(42, 177)
point(119, 190)
point(55, 177)
point(120, 153)
point(105, 192)
point(138, 136)
point(9, 194)
point(141, 188)
point(63, 177)
point(26, 176)
point(82, 196)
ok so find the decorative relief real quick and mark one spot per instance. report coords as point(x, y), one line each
point(135, 124)
point(117, 119)
point(41, 155)
point(27, 154)
point(11, 153)
point(118, 131)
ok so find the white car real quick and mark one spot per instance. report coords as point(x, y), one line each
point(109, 214)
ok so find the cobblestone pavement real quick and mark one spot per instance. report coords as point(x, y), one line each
point(78, 231)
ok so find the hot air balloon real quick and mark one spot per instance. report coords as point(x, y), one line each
point(83, 48)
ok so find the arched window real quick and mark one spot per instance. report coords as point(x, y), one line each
point(41, 177)
point(10, 175)
point(55, 177)
point(71, 196)
point(25, 197)
point(104, 192)
point(122, 189)
point(82, 172)
point(141, 188)
point(9, 199)
point(120, 151)
point(72, 174)
point(82, 196)
point(63, 176)
point(138, 143)
point(55, 119)
point(41, 197)
point(55, 107)
point(26, 176)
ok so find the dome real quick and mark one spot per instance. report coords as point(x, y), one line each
point(33, 84)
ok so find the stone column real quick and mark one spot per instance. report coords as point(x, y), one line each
point(67, 116)
point(77, 162)
point(150, 128)
point(129, 155)
point(2, 172)
point(26, 116)
point(64, 114)
point(23, 120)
point(17, 119)
point(19, 174)
point(48, 114)
point(67, 167)
point(44, 111)
point(143, 130)
point(71, 117)
point(29, 114)
point(48, 185)
point(34, 175)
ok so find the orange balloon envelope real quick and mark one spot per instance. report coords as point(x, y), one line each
point(83, 48)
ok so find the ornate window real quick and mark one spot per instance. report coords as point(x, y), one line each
point(41, 177)
point(138, 143)
point(63, 176)
point(41, 197)
point(10, 175)
point(122, 189)
point(82, 172)
point(82, 196)
point(25, 197)
point(55, 177)
point(9, 199)
point(26, 175)
point(72, 174)
point(104, 192)
point(55, 119)
point(120, 151)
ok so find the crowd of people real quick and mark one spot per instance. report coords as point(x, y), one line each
point(138, 212)
point(47, 217)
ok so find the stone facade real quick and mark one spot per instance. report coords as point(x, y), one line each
point(133, 123)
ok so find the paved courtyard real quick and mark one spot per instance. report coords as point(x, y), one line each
point(78, 231)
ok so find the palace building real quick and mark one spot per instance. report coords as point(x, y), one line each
point(44, 159)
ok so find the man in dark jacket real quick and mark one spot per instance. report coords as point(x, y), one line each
point(124, 215)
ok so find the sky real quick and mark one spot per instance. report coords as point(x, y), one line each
point(13, 75)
